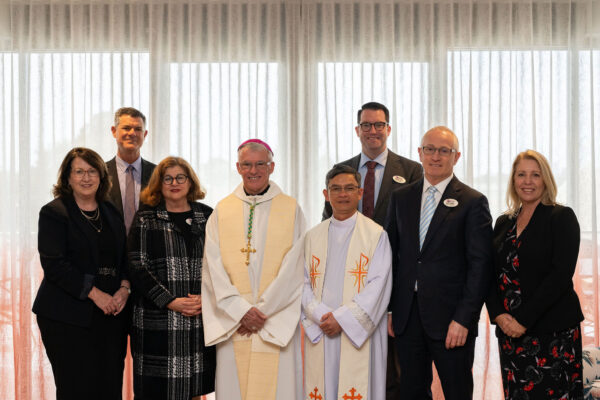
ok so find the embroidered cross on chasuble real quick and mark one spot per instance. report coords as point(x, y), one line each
point(257, 361)
point(353, 381)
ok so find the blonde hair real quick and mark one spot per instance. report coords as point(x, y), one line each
point(548, 197)
point(152, 194)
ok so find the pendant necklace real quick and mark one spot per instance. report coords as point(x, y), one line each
point(93, 219)
point(248, 249)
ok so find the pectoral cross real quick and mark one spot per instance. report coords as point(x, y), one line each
point(248, 250)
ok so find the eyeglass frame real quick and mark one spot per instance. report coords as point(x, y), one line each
point(259, 165)
point(337, 190)
point(373, 125)
point(431, 150)
point(168, 179)
point(80, 173)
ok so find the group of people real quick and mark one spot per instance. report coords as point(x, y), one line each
point(244, 301)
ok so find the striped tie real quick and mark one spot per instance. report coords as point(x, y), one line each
point(426, 214)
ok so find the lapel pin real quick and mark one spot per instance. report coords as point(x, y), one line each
point(399, 179)
point(450, 203)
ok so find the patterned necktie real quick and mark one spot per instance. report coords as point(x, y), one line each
point(368, 201)
point(129, 206)
point(427, 214)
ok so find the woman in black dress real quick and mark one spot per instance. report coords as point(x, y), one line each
point(533, 302)
point(166, 246)
point(81, 241)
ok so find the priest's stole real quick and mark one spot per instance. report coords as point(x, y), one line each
point(257, 361)
point(354, 363)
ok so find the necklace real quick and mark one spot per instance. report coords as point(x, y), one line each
point(248, 249)
point(94, 220)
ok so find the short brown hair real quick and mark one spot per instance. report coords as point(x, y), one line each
point(550, 190)
point(62, 187)
point(132, 112)
point(152, 194)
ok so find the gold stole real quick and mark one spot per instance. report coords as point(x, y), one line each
point(257, 361)
point(354, 363)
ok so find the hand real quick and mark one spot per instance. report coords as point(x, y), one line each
point(510, 326)
point(457, 335)
point(329, 325)
point(187, 306)
point(103, 301)
point(120, 297)
point(390, 326)
point(243, 331)
point(253, 320)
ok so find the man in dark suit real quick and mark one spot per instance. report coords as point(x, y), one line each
point(440, 231)
point(128, 171)
point(381, 171)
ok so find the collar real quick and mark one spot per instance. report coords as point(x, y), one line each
point(347, 223)
point(441, 186)
point(272, 191)
point(381, 159)
point(259, 194)
point(122, 165)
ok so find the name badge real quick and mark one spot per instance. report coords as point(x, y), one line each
point(399, 179)
point(450, 203)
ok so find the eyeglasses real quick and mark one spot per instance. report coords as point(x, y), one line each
point(260, 165)
point(80, 173)
point(443, 151)
point(180, 178)
point(366, 126)
point(350, 189)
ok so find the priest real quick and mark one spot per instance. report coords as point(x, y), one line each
point(252, 284)
point(347, 286)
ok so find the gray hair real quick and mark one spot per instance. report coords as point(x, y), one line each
point(253, 146)
point(132, 112)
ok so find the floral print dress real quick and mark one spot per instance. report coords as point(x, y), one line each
point(535, 366)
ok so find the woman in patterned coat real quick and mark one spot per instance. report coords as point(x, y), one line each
point(166, 245)
point(532, 301)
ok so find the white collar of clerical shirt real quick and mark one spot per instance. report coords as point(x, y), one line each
point(347, 223)
point(273, 191)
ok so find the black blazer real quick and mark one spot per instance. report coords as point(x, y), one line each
point(410, 170)
point(454, 267)
point(69, 256)
point(547, 259)
point(114, 195)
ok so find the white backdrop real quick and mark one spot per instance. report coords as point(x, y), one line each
point(505, 75)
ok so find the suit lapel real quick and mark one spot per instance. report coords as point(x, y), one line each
point(442, 211)
point(115, 190)
point(116, 225)
point(414, 203)
point(146, 172)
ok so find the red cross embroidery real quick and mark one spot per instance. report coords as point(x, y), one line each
point(314, 273)
point(360, 272)
point(352, 395)
point(315, 395)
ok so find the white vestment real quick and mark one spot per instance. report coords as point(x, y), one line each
point(223, 307)
point(373, 300)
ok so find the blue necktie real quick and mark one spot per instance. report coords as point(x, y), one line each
point(427, 214)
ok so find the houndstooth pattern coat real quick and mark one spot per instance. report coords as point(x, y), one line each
point(170, 360)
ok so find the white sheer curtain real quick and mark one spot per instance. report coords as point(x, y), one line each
point(505, 75)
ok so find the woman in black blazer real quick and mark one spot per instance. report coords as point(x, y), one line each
point(533, 302)
point(81, 301)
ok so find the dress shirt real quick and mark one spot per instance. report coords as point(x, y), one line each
point(362, 169)
point(440, 190)
point(137, 178)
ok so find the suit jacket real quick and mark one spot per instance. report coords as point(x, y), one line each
point(115, 191)
point(410, 170)
point(69, 255)
point(547, 259)
point(454, 266)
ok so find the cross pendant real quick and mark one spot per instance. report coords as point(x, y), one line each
point(248, 250)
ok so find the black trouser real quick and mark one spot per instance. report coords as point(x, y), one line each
point(87, 363)
point(416, 350)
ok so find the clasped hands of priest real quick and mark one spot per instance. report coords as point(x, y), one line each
point(329, 325)
point(252, 322)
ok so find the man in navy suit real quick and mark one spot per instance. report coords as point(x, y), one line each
point(440, 231)
point(389, 171)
